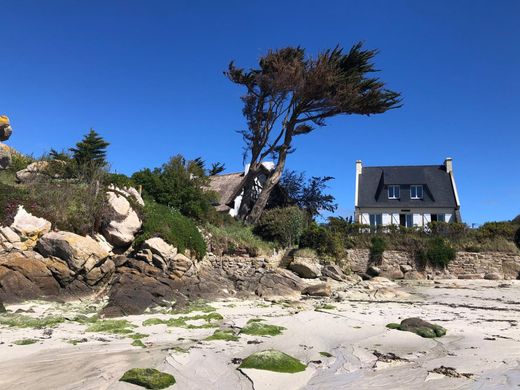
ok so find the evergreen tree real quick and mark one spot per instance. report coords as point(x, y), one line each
point(91, 151)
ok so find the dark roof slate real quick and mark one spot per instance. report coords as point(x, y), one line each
point(438, 190)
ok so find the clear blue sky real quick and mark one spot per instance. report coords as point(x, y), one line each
point(148, 76)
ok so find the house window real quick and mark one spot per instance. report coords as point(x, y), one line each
point(441, 217)
point(406, 220)
point(416, 192)
point(376, 219)
point(393, 192)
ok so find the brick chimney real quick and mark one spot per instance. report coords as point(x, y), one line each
point(448, 163)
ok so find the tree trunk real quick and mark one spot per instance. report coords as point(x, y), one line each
point(248, 196)
point(267, 188)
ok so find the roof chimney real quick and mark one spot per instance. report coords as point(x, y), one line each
point(359, 167)
point(448, 163)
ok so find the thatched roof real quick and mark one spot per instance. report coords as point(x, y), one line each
point(226, 186)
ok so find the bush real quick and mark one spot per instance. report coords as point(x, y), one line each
point(235, 237)
point(517, 238)
point(323, 241)
point(493, 230)
point(174, 228)
point(439, 253)
point(377, 249)
point(282, 225)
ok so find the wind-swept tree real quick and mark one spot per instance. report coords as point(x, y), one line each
point(91, 150)
point(289, 95)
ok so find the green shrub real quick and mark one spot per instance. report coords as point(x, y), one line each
point(323, 241)
point(282, 225)
point(439, 253)
point(517, 238)
point(236, 237)
point(174, 228)
point(20, 161)
point(504, 229)
point(377, 249)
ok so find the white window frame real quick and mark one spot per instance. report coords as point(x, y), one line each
point(394, 187)
point(416, 187)
point(377, 218)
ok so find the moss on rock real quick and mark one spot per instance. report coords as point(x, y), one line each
point(149, 378)
point(272, 360)
point(25, 341)
point(419, 327)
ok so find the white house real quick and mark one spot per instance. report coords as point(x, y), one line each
point(406, 195)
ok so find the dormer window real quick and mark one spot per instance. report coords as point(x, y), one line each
point(394, 192)
point(416, 192)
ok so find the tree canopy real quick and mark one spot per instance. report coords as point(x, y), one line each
point(91, 150)
point(291, 94)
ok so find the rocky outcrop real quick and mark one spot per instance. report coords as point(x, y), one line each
point(29, 226)
point(77, 251)
point(5, 156)
point(318, 290)
point(9, 240)
point(122, 220)
point(334, 272)
point(305, 267)
point(32, 171)
point(5, 128)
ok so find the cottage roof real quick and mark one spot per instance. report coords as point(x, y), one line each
point(436, 181)
point(226, 186)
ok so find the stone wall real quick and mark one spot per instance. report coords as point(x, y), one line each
point(467, 265)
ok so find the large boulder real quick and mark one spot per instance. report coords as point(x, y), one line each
point(79, 252)
point(32, 171)
point(5, 156)
point(318, 290)
point(334, 272)
point(420, 327)
point(123, 221)
point(161, 248)
point(5, 128)
point(305, 267)
point(29, 226)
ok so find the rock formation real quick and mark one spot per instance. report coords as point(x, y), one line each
point(5, 151)
point(122, 220)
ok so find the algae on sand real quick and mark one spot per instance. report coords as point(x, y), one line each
point(23, 321)
point(223, 334)
point(149, 378)
point(111, 326)
point(256, 327)
point(25, 341)
point(210, 320)
point(272, 360)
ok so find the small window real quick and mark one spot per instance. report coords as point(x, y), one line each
point(409, 220)
point(393, 192)
point(376, 219)
point(416, 192)
point(441, 217)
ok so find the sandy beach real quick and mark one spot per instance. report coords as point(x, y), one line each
point(345, 344)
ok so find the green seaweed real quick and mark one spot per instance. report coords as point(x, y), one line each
point(326, 306)
point(111, 326)
point(393, 325)
point(326, 354)
point(198, 305)
point(76, 341)
point(256, 327)
point(25, 341)
point(212, 320)
point(149, 378)
point(23, 321)
point(138, 343)
point(137, 336)
point(223, 334)
point(272, 360)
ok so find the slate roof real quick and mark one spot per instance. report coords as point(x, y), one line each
point(437, 187)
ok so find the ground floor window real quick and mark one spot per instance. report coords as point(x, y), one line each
point(438, 217)
point(376, 219)
point(406, 220)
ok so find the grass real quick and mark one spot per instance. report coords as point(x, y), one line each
point(149, 378)
point(305, 252)
point(212, 320)
point(22, 321)
point(112, 327)
point(256, 327)
point(25, 341)
point(230, 237)
point(272, 360)
point(223, 334)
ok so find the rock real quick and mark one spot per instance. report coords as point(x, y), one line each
point(373, 271)
point(471, 276)
point(5, 128)
point(25, 276)
point(158, 261)
point(414, 275)
point(2, 308)
point(180, 264)
point(79, 252)
point(405, 268)
point(422, 328)
point(392, 274)
point(32, 171)
point(333, 272)
point(8, 234)
point(493, 276)
point(123, 222)
point(364, 276)
point(103, 242)
point(318, 290)
point(305, 267)
point(144, 255)
point(158, 246)
point(60, 270)
point(100, 273)
point(128, 193)
point(5, 156)
point(27, 225)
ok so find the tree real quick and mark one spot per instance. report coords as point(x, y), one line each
point(289, 95)
point(308, 195)
point(216, 168)
point(90, 152)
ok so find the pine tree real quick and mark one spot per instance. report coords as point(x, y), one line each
point(91, 151)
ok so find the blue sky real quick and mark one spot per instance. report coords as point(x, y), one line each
point(148, 76)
